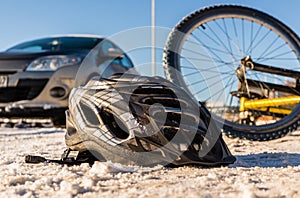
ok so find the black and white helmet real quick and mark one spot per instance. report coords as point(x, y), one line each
point(146, 121)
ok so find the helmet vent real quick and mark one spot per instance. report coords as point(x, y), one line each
point(89, 114)
point(114, 124)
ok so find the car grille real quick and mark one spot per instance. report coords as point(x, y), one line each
point(27, 89)
point(7, 72)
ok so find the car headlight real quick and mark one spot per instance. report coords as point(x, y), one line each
point(52, 63)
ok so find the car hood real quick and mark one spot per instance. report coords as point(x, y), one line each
point(21, 55)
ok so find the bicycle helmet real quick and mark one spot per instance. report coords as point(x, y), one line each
point(138, 120)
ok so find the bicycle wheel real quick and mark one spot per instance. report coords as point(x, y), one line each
point(206, 53)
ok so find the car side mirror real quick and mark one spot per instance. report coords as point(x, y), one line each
point(109, 54)
point(113, 53)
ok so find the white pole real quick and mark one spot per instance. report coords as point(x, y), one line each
point(153, 38)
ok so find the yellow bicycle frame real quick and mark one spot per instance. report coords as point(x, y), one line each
point(270, 105)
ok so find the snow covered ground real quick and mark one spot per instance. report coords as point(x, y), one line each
point(263, 169)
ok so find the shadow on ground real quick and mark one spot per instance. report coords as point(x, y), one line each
point(267, 160)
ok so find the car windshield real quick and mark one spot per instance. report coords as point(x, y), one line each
point(57, 43)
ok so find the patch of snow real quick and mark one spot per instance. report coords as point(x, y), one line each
point(263, 169)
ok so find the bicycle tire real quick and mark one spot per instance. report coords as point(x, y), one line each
point(202, 18)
